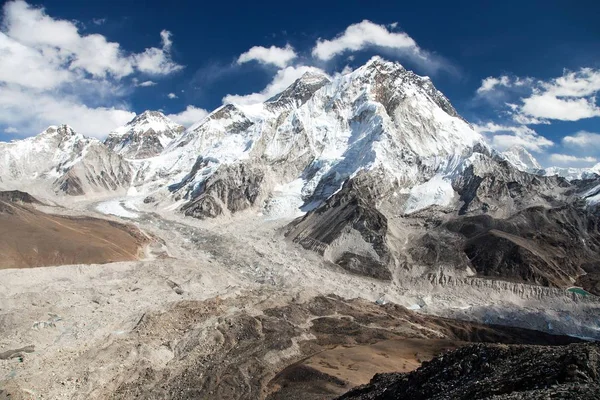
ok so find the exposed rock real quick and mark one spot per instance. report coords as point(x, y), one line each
point(216, 349)
point(349, 230)
point(232, 188)
point(498, 372)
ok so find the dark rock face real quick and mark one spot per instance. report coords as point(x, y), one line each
point(550, 247)
point(504, 189)
point(16, 196)
point(234, 187)
point(497, 372)
point(351, 209)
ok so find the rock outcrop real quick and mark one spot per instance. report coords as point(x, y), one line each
point(498, 372)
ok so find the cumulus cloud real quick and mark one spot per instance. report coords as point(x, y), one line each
point(490, 83)
point(368, 34)
point(172, 96)
point(189, 116)
point(503, 137)
point(157, 61)
point(570, 97)
point(35, 111)
point(284, 78)
point(51, 73)
point(549, 106)
point(583, 139)
point(570, 159)
point(278, 56)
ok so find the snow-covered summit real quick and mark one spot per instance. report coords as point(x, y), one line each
point(144, 136)
point(301, 90)
point(571, 174)
point(521, 159)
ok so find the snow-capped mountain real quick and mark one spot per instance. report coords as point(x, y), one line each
point(61, 160)
point(144, 136)
point(521, 159)
point(43, 156)
point(571, 174)
point(378, 165)
point(320, 131)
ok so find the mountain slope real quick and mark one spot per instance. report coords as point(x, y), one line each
point(62, 161)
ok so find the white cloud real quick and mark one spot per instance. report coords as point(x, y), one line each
point(584, 82)
point(32, 112)
point(99, 21)
point(548, 106)
point(157, 61)
point(490, 83)
point(583, 139)
point(51, 73)
point(11, 129)
point(570, 97)
point(189, 116)
point(172, 96)
point(569, 159)
point(279, 56)
point(393, 25)
point(503, 137)
point(284, 78)
point(146, 84)
point(51, 51)
point(367, 34)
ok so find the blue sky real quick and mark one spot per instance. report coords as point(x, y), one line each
point(523, 72)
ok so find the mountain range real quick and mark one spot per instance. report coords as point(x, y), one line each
point(375, 169)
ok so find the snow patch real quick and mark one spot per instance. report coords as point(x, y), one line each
point(436, 191)
point(115, 207)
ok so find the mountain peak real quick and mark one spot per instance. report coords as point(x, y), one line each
point(147, 116)
point(146, 135)
point(302, 89)
point(521, 159)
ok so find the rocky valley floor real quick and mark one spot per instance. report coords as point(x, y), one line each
point(231, 309)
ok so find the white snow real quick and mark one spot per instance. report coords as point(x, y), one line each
point(437, 191)
point(286, 201)
point(521, 159)
point(115, 207)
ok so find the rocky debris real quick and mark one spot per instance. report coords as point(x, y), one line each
point(217, 348)
point(499, 372)
point(16, 353)
point(175, 286)
point(231, 189)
